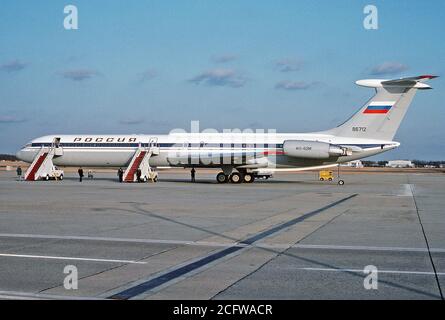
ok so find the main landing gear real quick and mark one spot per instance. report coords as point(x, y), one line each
point(222, 178)
point(235, 177)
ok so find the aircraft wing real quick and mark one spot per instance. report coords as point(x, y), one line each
point(245, 159)
point(297, 169)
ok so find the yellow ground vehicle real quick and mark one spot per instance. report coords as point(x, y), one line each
point(325, 175)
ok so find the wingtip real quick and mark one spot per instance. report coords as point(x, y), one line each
point(428, 76)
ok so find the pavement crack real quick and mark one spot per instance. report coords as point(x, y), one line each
point(427, 243)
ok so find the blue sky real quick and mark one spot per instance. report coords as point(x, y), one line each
point(151, 66)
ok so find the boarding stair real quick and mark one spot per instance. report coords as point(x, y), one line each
point(141, 160)
point(42, 166)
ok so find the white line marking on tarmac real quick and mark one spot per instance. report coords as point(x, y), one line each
point(39, 296)
point(364, 248)
point(219, 244)
point(110, 239)
point(11, 255)
point(361, 271)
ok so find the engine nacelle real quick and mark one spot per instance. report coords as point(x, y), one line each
point(312, 149)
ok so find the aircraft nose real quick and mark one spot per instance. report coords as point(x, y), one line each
point(19, 155)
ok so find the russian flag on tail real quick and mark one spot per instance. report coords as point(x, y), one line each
point(379, 107)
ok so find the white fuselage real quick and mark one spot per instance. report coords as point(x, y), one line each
point(368, 132)
point(238, 150)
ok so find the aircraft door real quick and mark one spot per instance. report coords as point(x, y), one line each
point(153, 142)
point(58, 150)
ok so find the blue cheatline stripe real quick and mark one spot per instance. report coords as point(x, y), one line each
point(162, 145)
point(178, 272)
point(378, 107)
point(169, 145)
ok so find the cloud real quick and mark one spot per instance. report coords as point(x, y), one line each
point(10, 119)
point(294, 85)
point(388, 68)
point(79, 74)
point(288, 65)
point(224, 58)
point(147, 75)
point(13, 66)
point(220, 77)
point(133, 121)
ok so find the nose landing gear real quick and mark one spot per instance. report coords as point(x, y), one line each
point(340, 181)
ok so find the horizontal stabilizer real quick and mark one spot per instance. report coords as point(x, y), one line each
point(409, 82)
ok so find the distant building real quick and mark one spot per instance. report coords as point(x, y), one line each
point(400, 164)
point(353, 164)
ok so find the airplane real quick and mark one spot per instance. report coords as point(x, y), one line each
point(241, 156)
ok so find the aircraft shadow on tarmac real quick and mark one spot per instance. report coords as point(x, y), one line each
point(136, 208)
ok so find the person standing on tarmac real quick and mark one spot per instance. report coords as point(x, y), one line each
point(192, 174)
point(139, 174)
point(120, 174)
point(19, 173)
point(80, 172)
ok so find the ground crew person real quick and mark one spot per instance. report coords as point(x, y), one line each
point(120, 174)
point(139, 174)
point(19, 173)
point(192, 173)
point(80, 172)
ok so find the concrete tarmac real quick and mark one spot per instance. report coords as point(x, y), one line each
point(291, 237)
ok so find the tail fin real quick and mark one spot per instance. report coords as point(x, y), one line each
point(381, 116)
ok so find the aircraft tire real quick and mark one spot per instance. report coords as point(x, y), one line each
point(236, 177)
point(221, 178)
point(249, 178)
